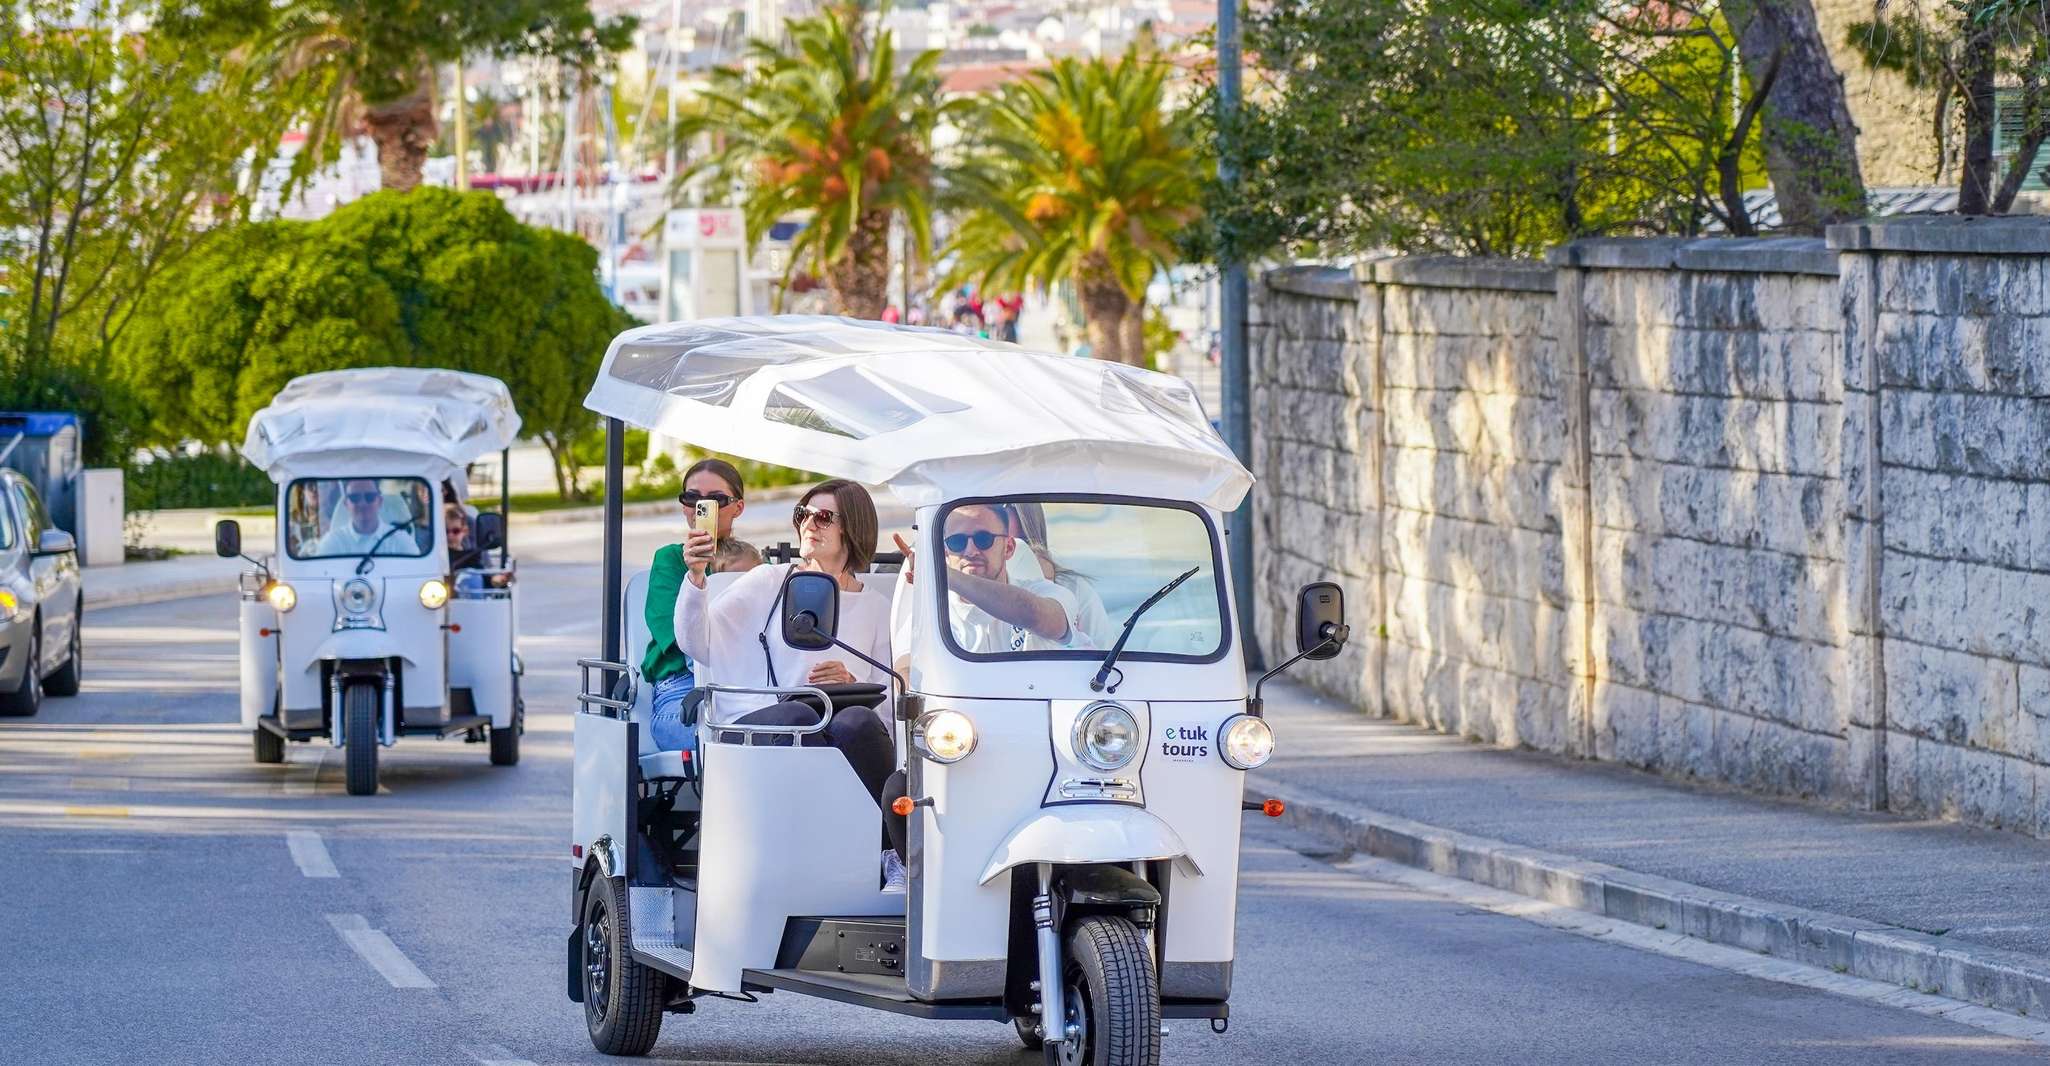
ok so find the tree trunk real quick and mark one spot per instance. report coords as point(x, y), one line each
point(860, 277)
point(404, 130)
point(559, 461)
point(1811, 144)
point(1975, 181)
point(1105, 307)
point(1134, 329)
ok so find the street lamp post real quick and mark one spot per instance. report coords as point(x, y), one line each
point(1236, 384)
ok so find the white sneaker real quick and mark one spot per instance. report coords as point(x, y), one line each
point(893, 872)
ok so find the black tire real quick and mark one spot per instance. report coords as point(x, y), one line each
point(359, 736)
point(68, 678)
point(1028, 1033)
point(622, 998)
point(28, 698)
point(270, 747)
point(1112, 994)
point(505, 743)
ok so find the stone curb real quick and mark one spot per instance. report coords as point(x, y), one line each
point(2006, 980)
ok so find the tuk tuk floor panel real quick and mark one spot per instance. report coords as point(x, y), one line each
point(872, 990)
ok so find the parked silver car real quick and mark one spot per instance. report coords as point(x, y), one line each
point(42, 603)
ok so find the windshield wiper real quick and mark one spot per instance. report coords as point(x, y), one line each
point(363, 564)
point(1110, 661)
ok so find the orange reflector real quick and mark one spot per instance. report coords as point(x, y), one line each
point(576, 851)
point(902, 806)
point(454, 627)
point(263, 632)
point(1273, 808)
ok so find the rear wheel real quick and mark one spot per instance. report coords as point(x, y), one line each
point(66, 680)
point(359, 736)
point(1112, 999)
point(28, 697)
point(622, 998)
point(270, 747)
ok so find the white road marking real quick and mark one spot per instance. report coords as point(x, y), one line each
point(310, 853)
point(378, 950)
point(493, 1055)
point(1680, 946)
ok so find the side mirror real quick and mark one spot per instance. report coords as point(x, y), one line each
point(228, 538)
point(1320, 617)
point(56, 542)
point(811, 610)
point(488, 530)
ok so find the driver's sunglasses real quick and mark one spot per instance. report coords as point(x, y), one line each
point(692, 497)
point(365, 497)
point(802, 514)
point(957, 543)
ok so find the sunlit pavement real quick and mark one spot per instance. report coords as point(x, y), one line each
point(167, 900)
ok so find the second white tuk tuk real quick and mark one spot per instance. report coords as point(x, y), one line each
point(362, 623)
point(1074, 804)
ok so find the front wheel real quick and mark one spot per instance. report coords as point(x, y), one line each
point(270, 747)
point(359, 736)
point(28, 698)
point(622, 998)
point(1112, 999)
point(69, 677)
point(505, 743)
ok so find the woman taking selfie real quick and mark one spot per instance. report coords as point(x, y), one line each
point(664, 665)
point(741, 631)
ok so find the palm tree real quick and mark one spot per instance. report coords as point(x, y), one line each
point(829, 128)
point(1081, 172)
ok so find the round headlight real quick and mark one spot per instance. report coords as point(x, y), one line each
point(944, 736)
point(433, 593)
point(356, 598)
point(281, 596)
point(1245, 742)
point(1106, 737)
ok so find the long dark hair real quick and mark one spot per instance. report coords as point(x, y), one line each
point(858, 524)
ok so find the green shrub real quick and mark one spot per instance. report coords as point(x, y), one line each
point(208, 479)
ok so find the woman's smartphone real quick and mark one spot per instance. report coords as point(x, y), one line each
point(707, 518)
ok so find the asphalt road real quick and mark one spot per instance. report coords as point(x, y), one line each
point(167, 900)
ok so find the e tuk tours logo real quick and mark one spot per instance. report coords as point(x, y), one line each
point(1186, 742)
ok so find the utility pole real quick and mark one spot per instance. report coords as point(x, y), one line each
point(1236, 385)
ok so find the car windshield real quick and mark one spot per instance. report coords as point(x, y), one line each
point(1098, 562)
point(337, 517)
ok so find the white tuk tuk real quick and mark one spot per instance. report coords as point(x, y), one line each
point(362, 623)
point(1073, 837)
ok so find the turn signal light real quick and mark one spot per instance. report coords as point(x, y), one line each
point(1273, 808)
point(9, 604)
point(902, 806)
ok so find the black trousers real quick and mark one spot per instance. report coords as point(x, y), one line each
point(859, 734)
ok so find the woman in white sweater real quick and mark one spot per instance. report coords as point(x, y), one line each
point(740, 635)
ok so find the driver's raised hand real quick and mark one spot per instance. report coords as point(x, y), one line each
point(698, 546)
point(910, 556)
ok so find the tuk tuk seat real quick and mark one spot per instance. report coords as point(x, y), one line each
point(655, 763)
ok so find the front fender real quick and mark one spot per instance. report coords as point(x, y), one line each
point(363, 644)
point(1089, 832)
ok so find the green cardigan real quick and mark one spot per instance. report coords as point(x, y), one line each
point(664, 659)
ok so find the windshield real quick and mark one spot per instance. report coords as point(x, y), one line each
point(336, 517)
point(1088, 564)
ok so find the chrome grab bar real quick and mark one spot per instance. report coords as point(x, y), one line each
point(750, 732)
point(609, 706)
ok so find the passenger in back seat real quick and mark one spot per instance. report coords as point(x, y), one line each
point(740, 633)
point(664, 665)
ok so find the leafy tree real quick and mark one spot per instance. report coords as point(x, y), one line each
point(1082, 172)
point(427, 278)
point(372, 63)
point(117, 144)
point(830, 126)
point(1962, 52)
point(1488, 127)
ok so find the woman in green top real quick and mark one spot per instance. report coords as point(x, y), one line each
point(665, 666)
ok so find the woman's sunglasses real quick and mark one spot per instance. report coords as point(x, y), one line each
point(803, 514)
point(958, 543)
point(692, 497)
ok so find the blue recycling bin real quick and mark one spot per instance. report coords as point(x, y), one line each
point(44, 447)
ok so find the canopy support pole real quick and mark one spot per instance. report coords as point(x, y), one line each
point(615, 491)
point(504, 504)
point(1237, 378)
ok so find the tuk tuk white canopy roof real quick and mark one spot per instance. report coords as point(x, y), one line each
point(933, 415)
point(382, 421)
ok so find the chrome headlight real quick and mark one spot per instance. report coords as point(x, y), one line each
point(1245, 742)
point(356, 597)
point(433, 593)
point(281, 596)
point(1106, 736)
point(944, 736)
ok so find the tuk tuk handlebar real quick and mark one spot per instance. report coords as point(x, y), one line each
point(602, 701)
point(749, 732)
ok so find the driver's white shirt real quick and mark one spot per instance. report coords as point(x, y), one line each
point(979, 632)
point(344, 540)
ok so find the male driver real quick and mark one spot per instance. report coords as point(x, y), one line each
point(365, 526)
point(990, 612)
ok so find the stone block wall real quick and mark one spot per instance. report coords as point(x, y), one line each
point(1774, 513)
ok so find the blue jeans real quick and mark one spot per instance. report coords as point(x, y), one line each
point(666, 720)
